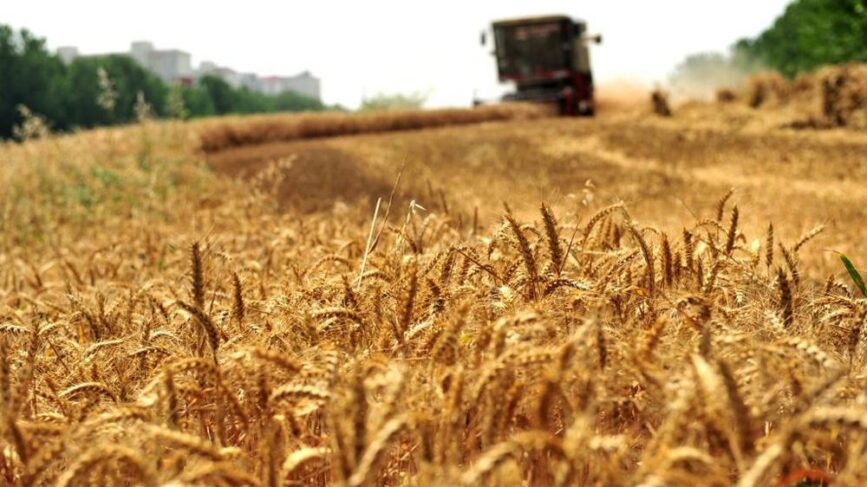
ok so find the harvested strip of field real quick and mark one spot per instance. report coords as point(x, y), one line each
point(666, 170)
point(225, 134)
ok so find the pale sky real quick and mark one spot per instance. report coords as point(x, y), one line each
point(358, 47)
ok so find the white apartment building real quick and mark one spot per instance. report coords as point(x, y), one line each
point(250, 81)
point(175, 66)
point(304, 83)
point(171, 65)
point(68, 53)
point(226, 74)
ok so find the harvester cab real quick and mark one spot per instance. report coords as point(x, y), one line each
point(548, 60)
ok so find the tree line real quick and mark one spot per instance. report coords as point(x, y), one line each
point(808, 34)
point(112, 89)
point(812, 33)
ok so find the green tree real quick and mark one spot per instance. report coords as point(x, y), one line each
point(811, 33)
point(395, 101)
point(81, 91)
point(223, 97)
point(252, 102)
point(290, 101)
point(29, 76)
point(198, 101)
point(228, 100)
point(175, 106)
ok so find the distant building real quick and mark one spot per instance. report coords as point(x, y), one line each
point(272, 85)
point(68, 53)
point(175, 66)
point(171, 65)
point(140, 51)
point(304, 84)
point(208, 68)
point(250, 81)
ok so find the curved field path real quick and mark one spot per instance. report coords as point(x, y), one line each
point(666, 170)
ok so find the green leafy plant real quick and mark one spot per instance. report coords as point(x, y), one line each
point(854, 274)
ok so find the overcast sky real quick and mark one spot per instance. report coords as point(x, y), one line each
point(358, 47)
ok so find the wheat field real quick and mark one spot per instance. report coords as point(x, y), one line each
point(622, 301)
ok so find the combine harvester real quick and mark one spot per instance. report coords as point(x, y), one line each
point(548, 60)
